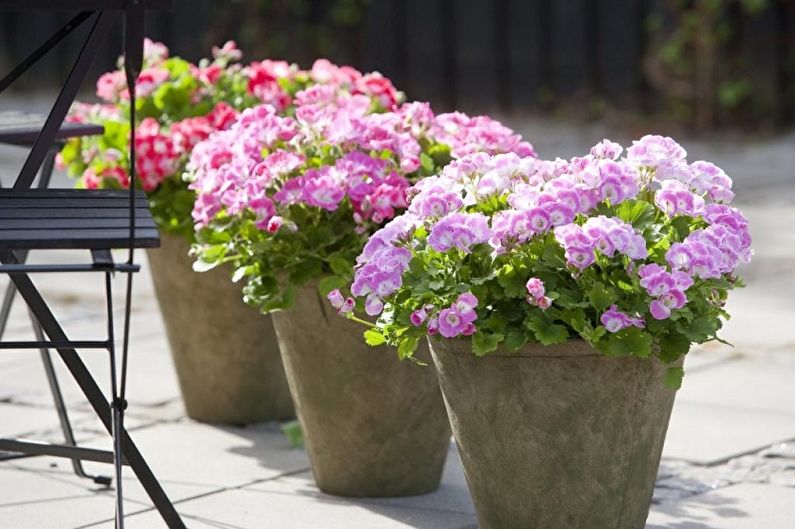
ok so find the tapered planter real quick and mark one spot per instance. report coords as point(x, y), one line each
point(373, 426)
point(556, 437)
point(225, 353)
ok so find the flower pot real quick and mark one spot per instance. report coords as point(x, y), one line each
point(225, 353)
point(555, 437)
point(373, 426)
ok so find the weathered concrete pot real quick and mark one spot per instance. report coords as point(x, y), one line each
point(373, 426)
point(556, 437)
point(225, 353)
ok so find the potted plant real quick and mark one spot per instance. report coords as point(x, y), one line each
point(225, 353)
point(290, 206)
point(559, 298)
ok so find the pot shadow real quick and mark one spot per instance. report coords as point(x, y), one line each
point(267, 445)
point(703, 511)
point(448, 507)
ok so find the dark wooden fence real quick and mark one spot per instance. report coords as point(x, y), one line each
point(482, 55)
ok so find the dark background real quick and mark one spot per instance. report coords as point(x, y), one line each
point(702, 64)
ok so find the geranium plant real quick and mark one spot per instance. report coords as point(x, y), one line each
point(288, 199)
point(180, 104)
point(633, 254)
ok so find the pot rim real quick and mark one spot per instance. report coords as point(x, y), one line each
point(572, 348)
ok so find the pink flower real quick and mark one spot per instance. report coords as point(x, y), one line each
point(651, 151)
point(379, 88)
point(544, 302)
point(535, 287)
point(336, 298)
point(322, 188)
point(373, 305)
point(451, 323)
point(228, 52)
point(111, 85)
point(418, 317)
point(659, 310)
point(615, 320)
point(347, 306)
point(274, 224)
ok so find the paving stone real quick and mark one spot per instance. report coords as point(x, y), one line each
point(151, 377)
point(746, 506)
point(252, 509)
point(709, 433)
point(452, 496)
point(706, 356)
point(33, 500)
point(45, 471)
point(761, 383)
point(218, 456)
point(16, 420)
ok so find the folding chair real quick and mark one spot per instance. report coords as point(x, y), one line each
point(93, 220)
point(21, 130)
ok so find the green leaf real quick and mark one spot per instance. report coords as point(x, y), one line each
point(598, 332)
point(340, 266)
point(426, 162)
point(702, 329)
point(682, 227)
point(329, 283)
point(575, 318)
point(407, 346)
point(305, 271)
point(374, 338)
point(673, 345)
point(673, 377)
point(546, 332)
point(627, 342)
point(485, 342)
point(636, 212)
point(514, 339)
point(513, 279)
point(601, 297)
point(292, 431)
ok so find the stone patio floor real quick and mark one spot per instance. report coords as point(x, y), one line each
point(729, 460)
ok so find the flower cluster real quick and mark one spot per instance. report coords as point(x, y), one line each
point(338, 165)
point(188, 102)
point(633, 254)
point(607, 235)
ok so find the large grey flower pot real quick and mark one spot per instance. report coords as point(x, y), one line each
point(225, 353)
point(556, 437)
point(373, 426)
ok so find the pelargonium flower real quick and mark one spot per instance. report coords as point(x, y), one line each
point(458, 319)
point(614, 320)
point(459, 230)
point(652, 150)
point(675, 198)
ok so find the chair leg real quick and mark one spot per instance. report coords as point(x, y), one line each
point(93, 393)
point(60, 407)
point(118, 454)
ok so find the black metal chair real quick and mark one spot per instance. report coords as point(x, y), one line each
point(93, 220)
point(21, 130)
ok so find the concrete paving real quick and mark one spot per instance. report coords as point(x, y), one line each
point(729, 459)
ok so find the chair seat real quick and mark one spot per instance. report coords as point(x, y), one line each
point(93, 219)
point(18, 128)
